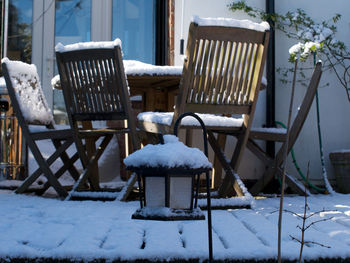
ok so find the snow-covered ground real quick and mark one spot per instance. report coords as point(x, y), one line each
point(42, 227)
point(34, 227)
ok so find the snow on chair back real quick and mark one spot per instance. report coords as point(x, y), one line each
point(26, 84)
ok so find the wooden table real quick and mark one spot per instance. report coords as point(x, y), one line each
point(157, 91)
point(157, 85)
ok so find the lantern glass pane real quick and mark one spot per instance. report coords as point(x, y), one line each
point(155, 191)
point(180, 192)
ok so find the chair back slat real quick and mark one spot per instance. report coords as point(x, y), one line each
point(224, 93)
point(218, 72)
point(208, 77)
point(96, 81)
point(223, 66)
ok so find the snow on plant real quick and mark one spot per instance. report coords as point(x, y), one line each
point(304, 50)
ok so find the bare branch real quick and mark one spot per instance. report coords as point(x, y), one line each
point(316, 243)
point(318, 221)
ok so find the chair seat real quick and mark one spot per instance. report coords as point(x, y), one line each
point(161, 121)
point(268, 134)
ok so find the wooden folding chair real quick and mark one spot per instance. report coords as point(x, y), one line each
point(223, 68)
point(270, 134)
point(31, 108)
point(95, 89)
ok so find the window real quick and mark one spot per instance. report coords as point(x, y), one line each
point(72, 21)
point(19, 44)
point(134, 23)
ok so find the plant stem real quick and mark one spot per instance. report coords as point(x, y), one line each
point(285, 154)
point(304, 217)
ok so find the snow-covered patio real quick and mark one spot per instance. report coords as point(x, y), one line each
point(44, 228)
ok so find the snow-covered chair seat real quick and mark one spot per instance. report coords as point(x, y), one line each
point(222, 73)
point(36, 121)
point(161, 121)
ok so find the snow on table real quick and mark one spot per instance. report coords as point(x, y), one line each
point(135, 67)
point(34, 227)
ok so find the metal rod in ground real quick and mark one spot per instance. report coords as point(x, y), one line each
point(210, 238)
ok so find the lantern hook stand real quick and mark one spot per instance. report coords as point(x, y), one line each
point(205, 142)
point(156, 211)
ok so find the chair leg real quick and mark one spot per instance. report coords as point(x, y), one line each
point(229, 184)
point(60, 172)
point(122, 154)
point(217, 173)
point(64, 157)
point(44, 167)
point(267, 177)
point(92, 163)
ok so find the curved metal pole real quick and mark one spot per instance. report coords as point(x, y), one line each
point(205, 142)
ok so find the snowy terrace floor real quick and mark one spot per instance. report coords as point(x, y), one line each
point(37, 229)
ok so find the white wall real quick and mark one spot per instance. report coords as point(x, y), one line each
point(333, 102)
point(334, 107)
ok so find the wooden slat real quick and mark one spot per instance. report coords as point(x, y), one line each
point(203, 75)
point(219, 73)
point(198, 67)
point(190, 69)
point(103, 77)
point(250, 84)
point(243, 65)
point(75, 102)
point(267, 136)
point(96, 92)
point(230, 86)
point(209, 72)
point(257, 75)
point(214, 70)
point(247, 69)
point(236, 74)
point(224, 93)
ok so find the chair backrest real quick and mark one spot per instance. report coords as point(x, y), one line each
point(26, 94)
point(93, 81)
point(305, 106)
point(223, 66)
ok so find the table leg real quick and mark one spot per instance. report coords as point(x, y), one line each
point(94, 178)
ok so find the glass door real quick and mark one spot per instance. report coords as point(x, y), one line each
point(70, 21)
point(72, 25)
